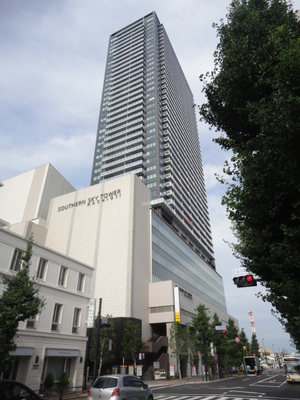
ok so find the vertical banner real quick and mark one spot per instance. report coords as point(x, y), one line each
point(172, 370)
point(139, 370)
point(130, 369)
point(176, 304)
point(91, 313)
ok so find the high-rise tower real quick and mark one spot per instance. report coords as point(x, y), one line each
point(147, 126)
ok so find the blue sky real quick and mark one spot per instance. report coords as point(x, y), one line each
point(53, 57)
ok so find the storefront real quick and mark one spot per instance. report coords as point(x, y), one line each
point(58, 361)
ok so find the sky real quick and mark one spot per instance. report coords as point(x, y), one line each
point(53, 56)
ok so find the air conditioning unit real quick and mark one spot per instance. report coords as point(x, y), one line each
point(75, 329)
point(55, 327)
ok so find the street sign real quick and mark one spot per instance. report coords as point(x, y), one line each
point(239, 271)
point(237, 339)
point(220, 327)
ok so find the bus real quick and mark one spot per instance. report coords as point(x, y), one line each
point(292, 368)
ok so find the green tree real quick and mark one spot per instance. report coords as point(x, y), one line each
point(19, 301)
point(178, 343)
point(192, 349)
point(254, 346)
point(203, 334)
point(234, 349)
point(253, 100)
point(131, 341)
point(106, 334)
point(220, 345)
point(244, 343)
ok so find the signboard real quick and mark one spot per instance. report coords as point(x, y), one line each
point(172, 370)
point(156, 365)
point(130, 369)
point(220, 327)
point(176, 304)
point(240, 271)
point(91, 313)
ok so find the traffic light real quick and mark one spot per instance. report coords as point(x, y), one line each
point(245, 281)
point(220, 329)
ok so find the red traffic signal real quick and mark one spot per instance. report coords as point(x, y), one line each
point(245, 281)
point(220, 329)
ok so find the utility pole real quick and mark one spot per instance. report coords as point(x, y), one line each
point(97, 340)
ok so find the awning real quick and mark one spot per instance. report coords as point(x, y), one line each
point(62, 353)
point(22, 351)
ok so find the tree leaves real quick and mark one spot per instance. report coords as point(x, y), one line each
point(253, 99)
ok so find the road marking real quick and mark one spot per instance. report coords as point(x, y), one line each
point(223, 396)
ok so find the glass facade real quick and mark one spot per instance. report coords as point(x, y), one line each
point(173, 259)
point(147, 126)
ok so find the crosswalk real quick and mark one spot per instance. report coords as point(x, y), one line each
point(203, 397)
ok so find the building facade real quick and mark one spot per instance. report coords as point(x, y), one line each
point(147, 126)
point(55, 340)
point(140, 234)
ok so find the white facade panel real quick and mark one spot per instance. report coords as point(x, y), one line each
point(108, 227)
point(31, 192)
point(161, 300)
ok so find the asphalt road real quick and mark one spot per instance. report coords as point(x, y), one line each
point(270, 385)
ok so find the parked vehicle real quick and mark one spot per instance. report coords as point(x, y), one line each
point(252, 365)
point(13, 390)
point(124, 387)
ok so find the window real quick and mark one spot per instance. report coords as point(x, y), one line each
point(76, 320)
point(31, 322)
point(56, 317)
point(62, 276)
point(41, 269)
point(127, 381)
point(16, 259)
point(80, 283)
point(16, 390)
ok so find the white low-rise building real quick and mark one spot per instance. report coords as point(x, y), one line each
point(55, 340)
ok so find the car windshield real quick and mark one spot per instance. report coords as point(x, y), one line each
point(105, 383)
point(292, 366)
